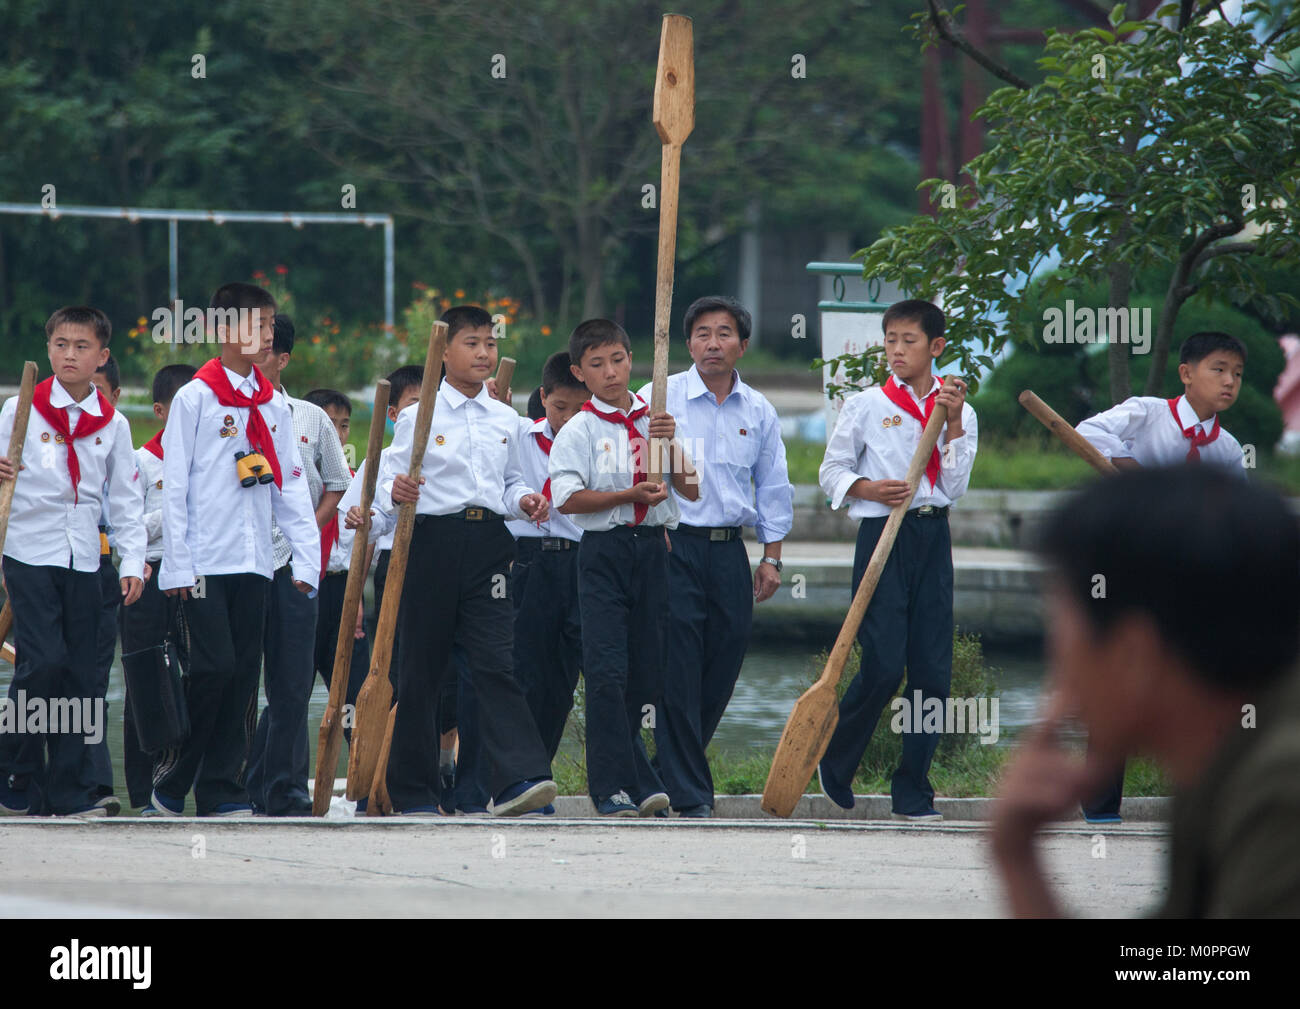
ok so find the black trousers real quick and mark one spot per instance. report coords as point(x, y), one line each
point(622, 596)
point(226, 626)
point(711, 610)
point(56, 627)
point(548, 633)
point(144, 624)
point(908, 624)
point(329, 615)
point(1106, 802)
point(277, 759)
point(110, 590)
point(457, 591)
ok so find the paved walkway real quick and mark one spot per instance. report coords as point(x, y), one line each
point(493, 868)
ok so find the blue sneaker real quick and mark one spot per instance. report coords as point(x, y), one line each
point(833, 790)
point(12, 801)
point(166, 806)
point(547, 810)
point(230, 809)
point(618, 804)
point(1101, 818)
point(524, 796)
point(150, 810)
point(473, 811)
point(362, 804)
point(421, 811)
point(701, 812)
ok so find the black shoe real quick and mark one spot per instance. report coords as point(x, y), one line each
point(701, 812)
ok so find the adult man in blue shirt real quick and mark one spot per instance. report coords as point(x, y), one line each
point(735, 437)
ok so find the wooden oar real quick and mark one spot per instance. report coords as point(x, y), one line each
point(674, 118)
point(16, 441)
point(330, 740)
point(808, 730)
point(380, 804)
point(1073, 440)
point(376, 693)
point(505, 372)
point(7, 625)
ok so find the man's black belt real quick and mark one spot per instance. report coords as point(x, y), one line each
point(467, 515)
point(930, 512)
point(546, 543)
point(716, 534)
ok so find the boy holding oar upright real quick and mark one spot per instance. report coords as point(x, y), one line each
point(599, 470)
point(909, 621)
point(456, 588)
point(76, 455)
point(1150, 431)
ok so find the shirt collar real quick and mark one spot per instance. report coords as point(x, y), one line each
point(604, 407)
point(238, 381)
point(1187, 417)
point(456, 399)
point(60, 397)
point(542, 426)
point(934, 388)
point(695, 386)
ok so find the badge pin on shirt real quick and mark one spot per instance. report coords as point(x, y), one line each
point(438, 439)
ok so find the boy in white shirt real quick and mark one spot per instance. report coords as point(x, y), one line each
point(76, 445)
point(229, 463)
point(909, 622)
point(599, 475)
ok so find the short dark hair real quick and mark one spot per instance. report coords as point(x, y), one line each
point(282, 341)
point(1212, 559)
point(81, 315)
point(460, 317)
point(555, 372)
point(930, 316)
point(719, 303)
point(535, 409)
point(111, 371)
point(238, 295)
point(596, 333)
point(330, 397)
point(1199, 346)
point(169, 379)
point(402, 379)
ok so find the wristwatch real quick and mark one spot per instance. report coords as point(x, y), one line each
point(773, 561)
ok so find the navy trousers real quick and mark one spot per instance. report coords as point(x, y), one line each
point(329, 616)
point(622, 597)
point(908, 624)
point(711, 609)
point(110, 590)
point(226, 625)
point(56, 622)
point(277, 760)
point(548, 633)
point(457, 592)
point(144, 624)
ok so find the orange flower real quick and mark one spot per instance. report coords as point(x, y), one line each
point(315, 339)
point(281, 270)
point(460, 294)
point(546, 331)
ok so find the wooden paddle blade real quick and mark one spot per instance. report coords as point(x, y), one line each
point(805, 738)
point(505, 373)
point(373, 702)
point(1060, 427)
point(6, 625)
point(380, 804)
point(674, 104)
point(17, 439)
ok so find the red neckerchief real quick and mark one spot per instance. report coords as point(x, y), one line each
point(1197, 438)
point(259, 435)
point(634, 439)
point(905, 402)
point(57, 418)
point(329, 535)
point(154, 445)
point(546, 444)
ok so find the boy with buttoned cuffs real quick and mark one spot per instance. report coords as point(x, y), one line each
point(457, 578)
point(229, 464)
point(77, 445)
point(599, 467)
point(544, 578)
point(909, 622)
point(736, 437)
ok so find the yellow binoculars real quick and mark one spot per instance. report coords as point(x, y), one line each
point(253, 469)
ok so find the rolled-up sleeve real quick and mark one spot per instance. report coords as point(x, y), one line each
point(957, 457)
point(568, 467)
point(773, 493)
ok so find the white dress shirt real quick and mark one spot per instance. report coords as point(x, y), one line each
point(874, 439)
point(46, 528)
point(1142, 428)
point(595, 454)
point(322, 458)
point(151, 478)
point(212, 525)
point(736, 447)
point(535, 464)
point(471, 461)
point(383, 523)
